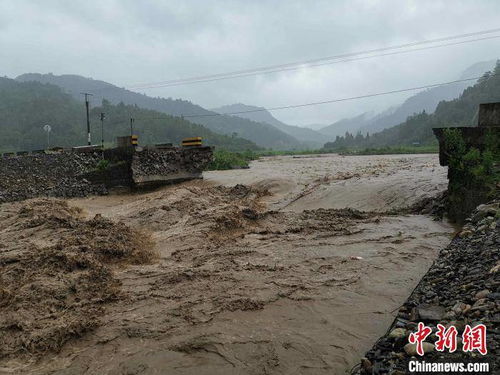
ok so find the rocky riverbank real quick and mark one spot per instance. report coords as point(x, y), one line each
point(461, 288)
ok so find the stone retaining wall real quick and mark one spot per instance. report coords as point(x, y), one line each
point(57, 174)
point(81, 173)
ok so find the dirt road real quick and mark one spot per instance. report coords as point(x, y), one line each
point(270, 270)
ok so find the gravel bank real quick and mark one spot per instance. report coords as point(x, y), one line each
point(50, 175)
point(461, 288)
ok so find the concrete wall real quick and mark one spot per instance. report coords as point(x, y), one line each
point(473, 137)
point(489, 114)
point(465, 191)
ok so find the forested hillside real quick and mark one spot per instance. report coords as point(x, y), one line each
point(426, 100)
point(345, 125)
point(25, 107)
point(262, 134)
point(418, 128)
point(308, 137)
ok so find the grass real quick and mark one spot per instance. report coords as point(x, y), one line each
point(224, 160)
point(293, 152)
point(392, 150)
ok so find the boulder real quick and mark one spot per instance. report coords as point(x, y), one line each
point(428, 312)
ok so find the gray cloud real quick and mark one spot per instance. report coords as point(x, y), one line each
point(128, 42)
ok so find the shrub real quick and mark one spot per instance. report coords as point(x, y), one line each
point(224, 159)
point(102, 165)
point(472, 173)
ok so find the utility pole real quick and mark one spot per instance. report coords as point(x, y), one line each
point(48, 129)
point(102, 133)
point(102, 129)
point(87, 105)
point(132, 126)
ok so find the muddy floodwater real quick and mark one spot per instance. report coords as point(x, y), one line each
point(293, 266)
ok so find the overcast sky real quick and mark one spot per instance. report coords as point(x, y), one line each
point(126, 42)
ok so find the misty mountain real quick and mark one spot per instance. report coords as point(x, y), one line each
point(309, 137)
point(426, 100)
point(462, 111)
point(262, 134)
point(25, 107)
point(314, 126)
point(345, 125)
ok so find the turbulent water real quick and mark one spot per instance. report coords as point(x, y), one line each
point(291, 266)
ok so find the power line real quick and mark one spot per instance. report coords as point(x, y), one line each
point(328, 58)
point(320, 102)
point(322, 64)
point(318, 61)
point(231, 75)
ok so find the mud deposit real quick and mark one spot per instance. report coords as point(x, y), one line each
point(277, 269)
point(55, 273)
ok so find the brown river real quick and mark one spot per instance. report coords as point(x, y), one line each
point(298, 271)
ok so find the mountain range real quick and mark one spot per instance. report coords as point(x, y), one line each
point(309, 137)
point(253, 123)
point(26, 107)
point(262, 134)
point(417, 128)
point(426, 100)
point(367, 122)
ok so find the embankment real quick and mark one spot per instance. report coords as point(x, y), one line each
point(74, 173)
point(460, 288)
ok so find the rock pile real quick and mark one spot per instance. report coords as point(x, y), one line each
point(433, 206)
point(461, 288)
point(55, 175)
point(78, 174)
